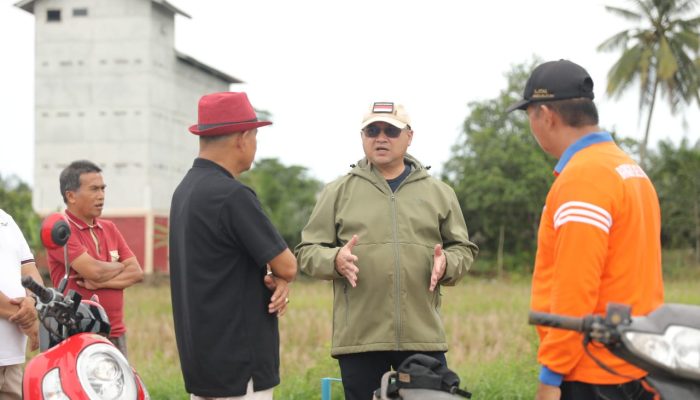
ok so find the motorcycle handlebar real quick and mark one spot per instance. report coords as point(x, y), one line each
point(556, 321)
point(45, 295)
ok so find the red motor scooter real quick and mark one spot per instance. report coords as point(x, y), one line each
point(77, 361)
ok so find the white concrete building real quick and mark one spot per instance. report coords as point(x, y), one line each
point(111, 88)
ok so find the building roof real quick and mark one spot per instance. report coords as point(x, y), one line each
point(204, 67)
point(28, 6)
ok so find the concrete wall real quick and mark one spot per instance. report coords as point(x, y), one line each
point(110, 88)
point(92, 78)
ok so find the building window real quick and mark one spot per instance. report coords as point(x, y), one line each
point(53, 15)
point(80, 12)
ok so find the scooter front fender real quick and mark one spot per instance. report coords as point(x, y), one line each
point(63, 357)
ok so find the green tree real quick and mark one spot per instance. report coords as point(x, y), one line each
point(499, 173)
point(661, 55)
point(287, 195)
point(676, 176)
point(16, 200)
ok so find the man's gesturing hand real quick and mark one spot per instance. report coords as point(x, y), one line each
point(439, 265)
point(345, 261)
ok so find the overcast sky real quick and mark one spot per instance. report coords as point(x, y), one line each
point(317, 65)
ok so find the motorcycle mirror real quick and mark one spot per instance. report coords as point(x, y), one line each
point(54, 231)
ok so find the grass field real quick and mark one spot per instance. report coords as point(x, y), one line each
point(491, 346)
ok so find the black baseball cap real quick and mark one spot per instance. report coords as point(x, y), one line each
point(555, 80)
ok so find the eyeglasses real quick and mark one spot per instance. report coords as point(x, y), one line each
point(390, 131)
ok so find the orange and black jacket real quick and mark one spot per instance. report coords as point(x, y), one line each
point(598, 242)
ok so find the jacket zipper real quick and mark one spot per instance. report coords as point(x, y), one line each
point(347, 302)
point(397, 272)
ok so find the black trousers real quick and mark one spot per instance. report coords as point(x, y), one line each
point(362, 372)
point(632, 390)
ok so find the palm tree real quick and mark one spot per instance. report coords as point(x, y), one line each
point(662, 56)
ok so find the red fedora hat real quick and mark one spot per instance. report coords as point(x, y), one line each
point(225, 112)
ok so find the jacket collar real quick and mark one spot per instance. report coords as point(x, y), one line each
point(364, 170)
point(580, 144)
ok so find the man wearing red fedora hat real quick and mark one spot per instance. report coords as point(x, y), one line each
point(229, 266)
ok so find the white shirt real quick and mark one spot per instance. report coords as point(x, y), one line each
point(14, 251)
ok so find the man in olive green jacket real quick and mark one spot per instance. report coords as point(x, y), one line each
point(388, 235)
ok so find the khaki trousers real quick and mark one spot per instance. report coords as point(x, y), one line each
point(11, 382)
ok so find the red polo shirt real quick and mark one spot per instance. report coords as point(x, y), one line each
point(112, 247)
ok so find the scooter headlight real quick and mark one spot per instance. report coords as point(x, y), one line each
point(105, 374)
point(677, 349)
point(51, 388)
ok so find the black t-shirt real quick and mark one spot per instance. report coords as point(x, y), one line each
point(220, 243)
point(394, 183)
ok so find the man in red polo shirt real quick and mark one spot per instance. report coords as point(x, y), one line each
point(101, 261)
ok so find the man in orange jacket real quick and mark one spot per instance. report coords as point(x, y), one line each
point(598, 240)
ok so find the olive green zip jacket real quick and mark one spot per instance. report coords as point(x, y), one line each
point(391, 308)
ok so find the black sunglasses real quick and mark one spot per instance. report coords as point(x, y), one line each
point(390, 131)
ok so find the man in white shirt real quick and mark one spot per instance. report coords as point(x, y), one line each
point(17, 310)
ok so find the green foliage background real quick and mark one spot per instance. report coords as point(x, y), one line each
point(287, 194)
point(499, 174)
point(501, 177)
point(16, 200)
